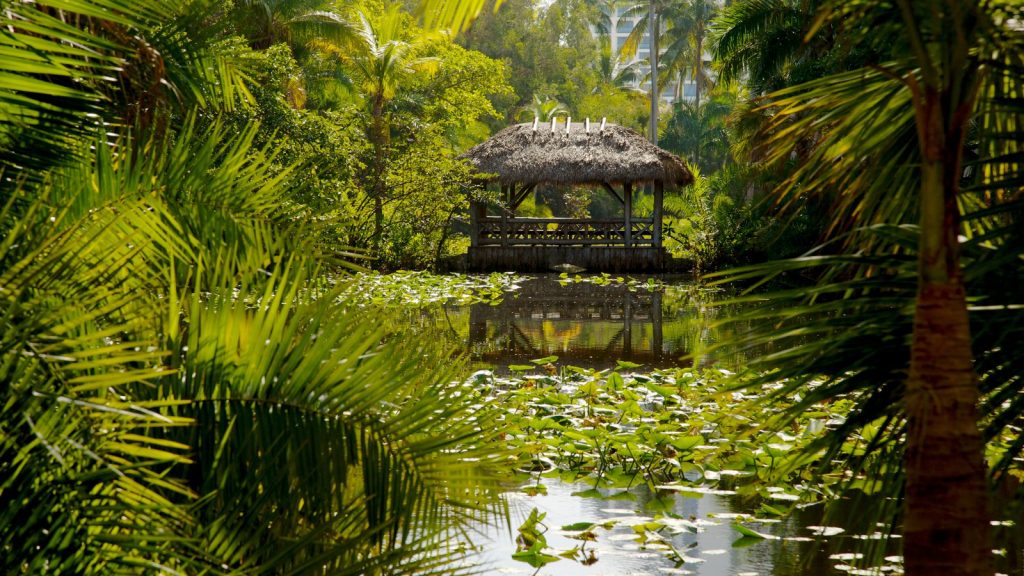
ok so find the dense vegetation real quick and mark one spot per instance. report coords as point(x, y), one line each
point(186, 187)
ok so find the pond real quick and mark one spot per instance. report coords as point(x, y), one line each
point(698, 528)
point(593, 322)
point(597, 322)
point(653, 331)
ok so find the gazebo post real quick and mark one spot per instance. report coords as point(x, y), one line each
point(659, 194)
point(627, 197)
point(504, 213)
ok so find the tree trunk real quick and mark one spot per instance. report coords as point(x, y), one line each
point(378, 138)
point(946, 525)
point(653, 59)
point(699, 72)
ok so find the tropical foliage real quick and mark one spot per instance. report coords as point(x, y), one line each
point(186, 389)
point(929, 134)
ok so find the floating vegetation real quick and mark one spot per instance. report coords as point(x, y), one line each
point(672, 430)
point(418, 288)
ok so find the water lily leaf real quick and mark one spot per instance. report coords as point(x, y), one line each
point(623, 364)
point(745, 541)
point(685, 443)
point(826, 530)
point(520, 367)
point(751, 533)
point(545, 360)
point(663, 391)
point(615, 381)
point(535, 558)
point(578, 526)
point(624, 495)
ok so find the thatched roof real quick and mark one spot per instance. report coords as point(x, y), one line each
point(614, 155)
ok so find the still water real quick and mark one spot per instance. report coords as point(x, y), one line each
point(704, 537)
point(595, 324)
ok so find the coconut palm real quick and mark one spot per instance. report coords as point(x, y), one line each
point(890, 321)
point(543, 108)
point(383, 55)
point(613, 74)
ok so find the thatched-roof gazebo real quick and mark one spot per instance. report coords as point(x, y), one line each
point(522, 156)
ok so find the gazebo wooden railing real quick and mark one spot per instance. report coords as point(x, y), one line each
point(497, 231)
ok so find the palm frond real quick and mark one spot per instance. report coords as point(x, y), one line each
point(302, 413)
point(85, 488)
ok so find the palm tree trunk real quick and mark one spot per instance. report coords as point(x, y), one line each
point(378, 137)
point(653, 51)
point(699, 71)
point(946, 524)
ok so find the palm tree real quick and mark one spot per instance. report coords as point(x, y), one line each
point(613, 74)
point(58, 81)
point(383, 55)
point(681, 26)
point(892, 139)
point(687, 25)
point(761, 40)
point(543, 108)
point(698, 133)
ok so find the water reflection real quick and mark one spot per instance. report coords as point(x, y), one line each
point(583, 324)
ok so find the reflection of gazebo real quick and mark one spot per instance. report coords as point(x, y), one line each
point(522, 156)
point(607, 323)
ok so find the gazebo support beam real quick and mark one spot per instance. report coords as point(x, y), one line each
point(506, 193)
point(627, 195)
point(612, 191)
point(521, 195)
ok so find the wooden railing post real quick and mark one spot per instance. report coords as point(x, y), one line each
point(627, 197)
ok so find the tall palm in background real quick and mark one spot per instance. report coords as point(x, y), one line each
point(686, 33)
point(182, 393)
point(923, 150)
point(683, 27)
